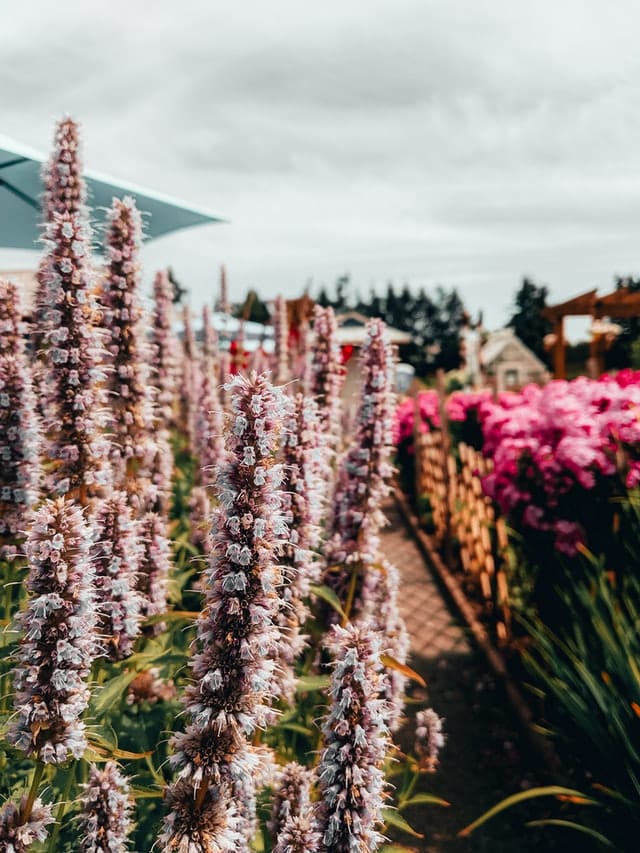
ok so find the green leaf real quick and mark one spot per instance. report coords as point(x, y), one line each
point(423, 799)
point(533, 793)
point(307, 683)
point(569, 824)
point(394, 818)
point(172, 616)
point(295, 727)
point(327, 594)
point(111, 693)
point(397, 848)
point(146, 793)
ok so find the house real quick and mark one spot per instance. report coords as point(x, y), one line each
point(508, 363)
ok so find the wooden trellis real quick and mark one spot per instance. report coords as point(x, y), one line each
point(466, 526)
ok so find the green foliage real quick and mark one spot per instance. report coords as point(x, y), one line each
point(527, 321)
point(253, 309)
point(434, 323)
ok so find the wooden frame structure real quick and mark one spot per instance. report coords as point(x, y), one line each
point(621, 303)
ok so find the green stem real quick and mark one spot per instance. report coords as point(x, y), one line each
point(53, 840)
point(33, 793)
point(351, 594)
point(406, 795)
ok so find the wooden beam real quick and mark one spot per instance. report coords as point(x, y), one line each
point(559, 354)
point(579, 305)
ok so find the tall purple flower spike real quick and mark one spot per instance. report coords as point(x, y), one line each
point(365, 470)
point(382, 611)
point(164, 356)
point(11, 325)
point(105, 811)
point(356, 741)
point(190, 379)
point(208, 426)
point(429, 739)
point(65, 191)
point(18, 835)
point(58, 645)
point(154, 566)
point(20, 435)
point(232, 670)
point(326, 372)
point(281, 336)
point(75, 413)
point(298, 835)
point(209, 824)
point(306, 470)
point(129, 353)
point(210, 342)
point(291, 796)
point(117, 557)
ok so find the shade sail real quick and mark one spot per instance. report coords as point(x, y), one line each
point(21, 188)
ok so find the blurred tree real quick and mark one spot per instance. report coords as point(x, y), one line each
point(527, 321)
point(253, 309)
point(376, 305)
point(323, 297)
point(621, 353)
point(178, 290)
point(342, 286)
point(449, 319)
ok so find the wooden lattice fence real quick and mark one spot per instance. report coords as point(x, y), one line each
point(466, 526)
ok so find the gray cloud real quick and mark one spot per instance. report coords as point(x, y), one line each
point(435, 142)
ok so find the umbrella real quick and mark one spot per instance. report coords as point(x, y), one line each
point(21, 188)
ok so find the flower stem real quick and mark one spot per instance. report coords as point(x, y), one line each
point(53, 840)
point(355, 571)
point(33, 792)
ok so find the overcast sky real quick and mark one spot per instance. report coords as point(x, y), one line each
point(459, 143)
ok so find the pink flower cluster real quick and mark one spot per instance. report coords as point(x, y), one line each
point(403, 423)
point(461, 404)
point(549, 445)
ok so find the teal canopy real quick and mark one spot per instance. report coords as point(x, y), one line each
point(21, 188)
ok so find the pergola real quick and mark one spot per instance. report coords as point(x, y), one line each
point(621, 303)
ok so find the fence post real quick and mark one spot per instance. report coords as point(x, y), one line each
point(446, 448)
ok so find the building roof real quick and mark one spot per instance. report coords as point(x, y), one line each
point(503, 340)
point(352, 330)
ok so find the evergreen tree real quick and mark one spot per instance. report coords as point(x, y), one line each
point(448, 323)
point(527, 321)
point(342, 286)
point(253, 309)
point(323, 298)
point(621, 353)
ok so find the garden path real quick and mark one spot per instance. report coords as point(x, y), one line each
point(486, 757)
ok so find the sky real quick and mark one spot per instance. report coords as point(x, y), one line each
point(457, 143)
